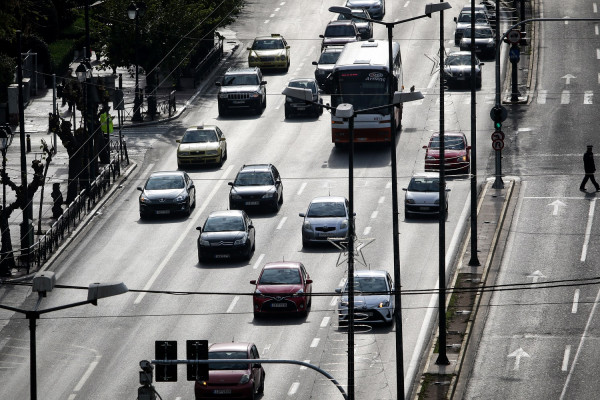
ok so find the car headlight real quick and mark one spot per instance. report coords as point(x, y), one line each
point(204, 243)
point(240, 242)
point(183, 153)
point(212, 152)
point(461, 158)
point(257, 291)
point(344, 224)
point(306, 225)
point(384, 304)
point(143, 198)
point(269, 195)
point(429, 157)
point(255, 95)
point(235, 196)
point(223, 95)
point(299, 292)
point(437, 201)
point(289, 100)
point(344, 303)
point(181, 197)
point(245, 379)
point(410, 201)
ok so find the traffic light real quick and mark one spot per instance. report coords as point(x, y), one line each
point(497, 118)
point(146, 391)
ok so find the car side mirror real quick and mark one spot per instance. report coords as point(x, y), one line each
point(199, 229)
point(253, 281)
point(248, 48)
point(481, 64)
point(425, 146)
point(354, 214)
point(250, 226)
point(287, 47)
point(455, 19)
point(217, 83)
point(140, 189)
point(301, 214)
point(192, 186)
point(222, 138)
point(178, 141)
point(308, 281)
point(315, 63)
point(468, 147)
point(405, 189)
point(230, 183)
point(338, 290)
point(447, 189)
point(263, 82)
point(256, 365)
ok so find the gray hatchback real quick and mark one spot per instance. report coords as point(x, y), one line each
point(326, 219)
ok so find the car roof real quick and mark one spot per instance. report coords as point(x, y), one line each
point(255, 167)
point(370, 272)
point(231, 346)
point(323, 199)
point(333, 49)
point(269, 37)
point(427, 175)
point(226, 213)
point(282, 264)
point(167, 173)
point(459, 53)
point(341, 22)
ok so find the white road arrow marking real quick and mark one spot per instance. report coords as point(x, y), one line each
point(556, 204)
point(536, 275)
point(517, 354)
point(568, 78)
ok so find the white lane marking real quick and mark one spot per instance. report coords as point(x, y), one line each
point(299, 192)
point(87, 374)
point(575, 302)
point(185, 234)
point(565, 97)
point(596, 30)
point(271, 16)
point(434, 79)
point(233, 303)
point(599, 78)
point(588, 230)
point(277, 9)
point(598, 54)
point(565, 364)
point(333, 301)
point(388, 185)
point(381, 199)
point(580, 346)
point(367, 230)
point(281, 222)
point(315, 342)
point(324, 322)
point(406, 4)
point(541, 98)
point(282, 3)
point(594, 7)
point(257, 263)
point(374, 214)
point(293, 388)
point(266, 349)
point(305, 367)
point(588, 96)
point(267, 21)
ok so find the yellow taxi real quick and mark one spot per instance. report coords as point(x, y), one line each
point(204, 144)
point(269, 52)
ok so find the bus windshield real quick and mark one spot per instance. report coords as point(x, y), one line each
point(361, 88)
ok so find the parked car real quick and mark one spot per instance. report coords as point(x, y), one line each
point(365, 28)
point(373, 298)
point(232, 380)
point(167, 192)
point(226, 234)
point(202, 144)
point(457, 69)
point(423, 195)
point(464, 21)
point(338, 33)
point(294, 106)
point(325, 219)
point(242, 88)
point(485, 41)
point(324, 66)
point(256, 185)
point(376, 8)
point(269, 52)
point(457, 153)
point(282, 287)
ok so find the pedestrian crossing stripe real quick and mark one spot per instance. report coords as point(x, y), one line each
point(565, 97)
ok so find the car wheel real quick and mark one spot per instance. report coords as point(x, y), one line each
point(261, 387)
point(478, 83)
point(264, 104)
point(188, 208)
point(222, 110)
point(305, 243)
point(287, 67)
point(143, 216)
point(225, 156)
point(406, 215)
point(248, 254)
point(179, 166)
point(259, 109)
point(287, 113)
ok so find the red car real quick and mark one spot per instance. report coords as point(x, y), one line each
point(457, 153)
point(232, 380)
point(282, 287)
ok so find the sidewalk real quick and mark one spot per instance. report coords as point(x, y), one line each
point(36, 127)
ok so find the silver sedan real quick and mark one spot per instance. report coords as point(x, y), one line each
point(326, 219)
point(423, 195)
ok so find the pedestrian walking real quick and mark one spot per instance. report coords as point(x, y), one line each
point(589, 168)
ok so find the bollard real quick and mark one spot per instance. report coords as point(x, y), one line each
point(28, 143)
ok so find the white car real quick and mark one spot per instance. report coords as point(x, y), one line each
point(373, 298)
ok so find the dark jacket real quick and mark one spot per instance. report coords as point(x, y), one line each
point(588, 162)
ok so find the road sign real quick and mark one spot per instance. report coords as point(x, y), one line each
point(197, 350)
point(514, 36)
point(166, 350)
point(502, 113)
point(514, 54)
point(498, 135)
point(497, 144)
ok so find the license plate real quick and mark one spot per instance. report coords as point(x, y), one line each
point(279, 305)
point(301, 108)
point(323, 235)
point(424, 208)
point(222, 256)
point(252, 203)
point(238, 102)
point(163, 211)
point(222, 391)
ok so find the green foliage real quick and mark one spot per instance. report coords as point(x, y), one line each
point(7, 68)
point(61, 55)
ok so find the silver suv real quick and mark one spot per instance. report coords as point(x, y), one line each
point(242, 88)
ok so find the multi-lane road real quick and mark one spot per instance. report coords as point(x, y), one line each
point(93, 352)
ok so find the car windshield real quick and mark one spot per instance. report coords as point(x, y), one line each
point(450, 143)
point(326, 209)
point(369, 284)
point(233, 80)
point(267, 44)
point(329, 57)
point(356, 20)
point(164, 183)
point(280, 276)
point(254, 179)
point(481, 33)
point(225, 355)
point(462, 59)
point(339, 31)
point(204, 136)
point(424, 185)
point(466, 17)
point(223, 224)
point(304, 85)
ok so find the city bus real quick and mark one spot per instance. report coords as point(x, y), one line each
point(360, 77)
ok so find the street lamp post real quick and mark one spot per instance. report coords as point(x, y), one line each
point(134, 12)
point(429, 9)
point(83, 73)
point(6, 137)
point(43, 282)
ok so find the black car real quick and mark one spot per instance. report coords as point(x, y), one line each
point(457, 69)
point(226, 234)
point(294, 106)
point(167, 192)
point(256, 185)
point(242, 88)
point(485, 41)
point(324, 66)
point(365, 28)
point(338, 33)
